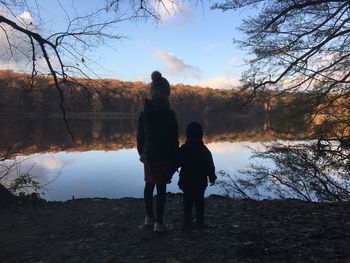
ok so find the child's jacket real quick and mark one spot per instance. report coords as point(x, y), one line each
point(197, 165)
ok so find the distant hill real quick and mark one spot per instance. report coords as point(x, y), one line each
point(22, 95)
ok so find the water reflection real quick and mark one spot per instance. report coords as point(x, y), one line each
point(103, 161)
point(115, 174)
point(30, 135)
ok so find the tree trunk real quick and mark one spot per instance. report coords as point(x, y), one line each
point(6, 197)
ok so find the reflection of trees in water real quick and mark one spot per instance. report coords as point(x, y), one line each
point(21, 176)
point(28, 175)
point(30, 135)
point(36, 135)
point(312, 171)
point(316, 170)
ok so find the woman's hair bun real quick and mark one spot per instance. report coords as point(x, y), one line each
point(156, 75)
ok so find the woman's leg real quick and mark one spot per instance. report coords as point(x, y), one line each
point(161, 198)
point(148, 196)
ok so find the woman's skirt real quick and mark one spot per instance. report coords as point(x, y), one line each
point(158, 172)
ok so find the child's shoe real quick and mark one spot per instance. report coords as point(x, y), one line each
point(158, 227)
point(149, 221)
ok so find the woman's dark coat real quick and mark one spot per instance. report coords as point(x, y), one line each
point(157, 134)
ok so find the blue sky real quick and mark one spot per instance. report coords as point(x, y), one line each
point(191, 45)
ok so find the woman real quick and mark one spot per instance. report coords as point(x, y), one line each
point(157, 144)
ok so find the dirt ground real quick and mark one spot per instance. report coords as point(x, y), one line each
point(108, 231)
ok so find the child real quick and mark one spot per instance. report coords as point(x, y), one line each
point(196, 165)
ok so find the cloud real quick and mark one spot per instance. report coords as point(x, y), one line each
point(176, 66)
point(167, 8)
point(26, 18)
point(15, 47)
point(221, 82)
point(173, 11)
point(233, 61)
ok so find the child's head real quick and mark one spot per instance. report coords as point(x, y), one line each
point(194, 131)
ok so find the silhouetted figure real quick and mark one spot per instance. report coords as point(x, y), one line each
point(157, 144)
point(197, 166)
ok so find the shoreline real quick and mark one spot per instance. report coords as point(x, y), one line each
point(111, 230)
point(71, 115)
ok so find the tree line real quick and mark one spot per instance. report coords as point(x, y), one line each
point(21, 94)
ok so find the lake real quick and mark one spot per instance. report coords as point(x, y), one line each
point(103, 160)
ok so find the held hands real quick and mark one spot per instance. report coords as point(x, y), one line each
point(212, 182)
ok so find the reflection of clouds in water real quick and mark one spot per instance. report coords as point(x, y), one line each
point(230, 157)
point(229, 147)
point(237, 149)
point(47, 160)
point(43, 167)
point(233, 158)
point(119, 173)
point(50, 162)
point(287, 143)
point(223, 147)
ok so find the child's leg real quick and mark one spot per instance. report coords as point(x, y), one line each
point(187, 202)
point(148, 196)
point(199, 204)
point(161, 198)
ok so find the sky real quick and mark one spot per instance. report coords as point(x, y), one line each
point(191, 44)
